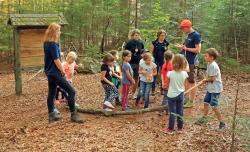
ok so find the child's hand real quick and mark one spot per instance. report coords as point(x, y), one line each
point(144, 72)
point(204, 80)
point(164, 86)
point(149, 77)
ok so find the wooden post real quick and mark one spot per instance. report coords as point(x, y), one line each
point(17, 64)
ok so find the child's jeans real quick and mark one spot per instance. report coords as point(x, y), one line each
point(125, 92)
point(111, 93)
point(175, 106)
point(63, 92)
point(145, 89)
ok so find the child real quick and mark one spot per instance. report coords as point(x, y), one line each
point(166, 67)
point(214, 87)
point(147, 71)
point(127, 78)
point(111, 92)
point(175, 95)
point(116, 69)
point(69, 67)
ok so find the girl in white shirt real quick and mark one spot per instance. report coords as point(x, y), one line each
point(177, 79)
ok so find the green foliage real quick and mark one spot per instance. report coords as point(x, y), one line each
point(245, 68)
point(93, 51)
point(228, 64)
point(152, 22)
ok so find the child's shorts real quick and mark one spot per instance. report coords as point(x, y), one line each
point(212, 99)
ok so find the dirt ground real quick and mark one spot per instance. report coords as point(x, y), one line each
point(24, 125)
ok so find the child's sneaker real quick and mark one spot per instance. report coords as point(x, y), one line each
point(180, 131)
point(109, 105)
point(75, 117)
point(128, 109)
point(53, 117)
point(107, 109)
point(76, 105)
point(222, 125)
point(168, 131)
point(201, 121)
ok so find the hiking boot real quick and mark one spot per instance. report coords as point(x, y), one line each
point(222, 125)
point(188, 104)
point(53, 117)
point(75, 117)
point(202, 120)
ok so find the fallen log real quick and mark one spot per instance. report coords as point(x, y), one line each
point(115, 113)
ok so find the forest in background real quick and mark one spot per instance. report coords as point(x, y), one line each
point(99, 25)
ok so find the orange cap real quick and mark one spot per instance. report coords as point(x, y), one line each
point(186, 23)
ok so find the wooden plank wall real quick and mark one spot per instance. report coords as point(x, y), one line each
point(31, 47)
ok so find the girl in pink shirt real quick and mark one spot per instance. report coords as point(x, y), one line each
point(69, 67)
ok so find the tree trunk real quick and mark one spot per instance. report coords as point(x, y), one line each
point(115, 113)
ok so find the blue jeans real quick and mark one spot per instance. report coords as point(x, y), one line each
point(145, 89)
point(59, 80)
point(175, 106)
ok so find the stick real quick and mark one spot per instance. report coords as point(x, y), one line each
point(41, 70)
point(197, 85)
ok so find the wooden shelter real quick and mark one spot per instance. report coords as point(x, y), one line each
point(28, 33)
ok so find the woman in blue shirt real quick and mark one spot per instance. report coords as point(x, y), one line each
point(55, 73)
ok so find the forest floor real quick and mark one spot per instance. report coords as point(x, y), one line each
point(24, 124)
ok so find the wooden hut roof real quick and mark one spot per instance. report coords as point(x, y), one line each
point(36, 19)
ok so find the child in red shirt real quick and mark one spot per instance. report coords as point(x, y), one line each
point(167, 66)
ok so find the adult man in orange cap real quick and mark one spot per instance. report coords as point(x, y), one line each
point(190, 48)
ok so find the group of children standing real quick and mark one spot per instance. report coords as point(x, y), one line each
point(174, 72)
point(174, 76)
